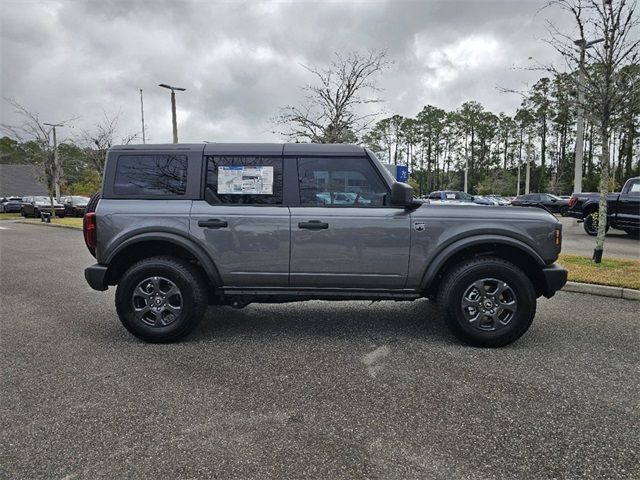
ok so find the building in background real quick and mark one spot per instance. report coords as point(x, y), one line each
point(20, 180)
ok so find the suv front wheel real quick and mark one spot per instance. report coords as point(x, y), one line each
point(161, 299)
point(487, 302)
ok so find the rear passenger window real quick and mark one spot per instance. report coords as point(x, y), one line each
point(151, 175)
point(244, 180)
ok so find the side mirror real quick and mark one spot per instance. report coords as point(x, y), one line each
point(401, 194)
point(472, 198)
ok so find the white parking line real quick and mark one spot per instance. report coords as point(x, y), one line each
point(4, 228)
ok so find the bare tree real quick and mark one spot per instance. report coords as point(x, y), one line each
point(608, 27)
point(334, 108)
point(35, 138)
point(101, 138)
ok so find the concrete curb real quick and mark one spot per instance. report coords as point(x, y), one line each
point(602, 290)
point(42, 224)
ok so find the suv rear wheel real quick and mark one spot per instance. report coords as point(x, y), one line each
point(487, 302)
point(161, 299)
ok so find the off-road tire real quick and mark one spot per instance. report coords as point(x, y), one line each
point(590, 226)
point(460, 277)
point(192, 288)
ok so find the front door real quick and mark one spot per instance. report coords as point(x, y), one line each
point(241, 221)
point(342, 234)
point(629, 205)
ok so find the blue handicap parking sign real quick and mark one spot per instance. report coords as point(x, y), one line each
point(402, 173)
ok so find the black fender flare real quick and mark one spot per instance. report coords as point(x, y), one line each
point(174, 238)
point(442, 256)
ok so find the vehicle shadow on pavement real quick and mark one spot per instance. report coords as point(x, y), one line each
point(373, 321)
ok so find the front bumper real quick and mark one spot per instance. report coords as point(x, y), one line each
point(555, 277)
point(96, 276)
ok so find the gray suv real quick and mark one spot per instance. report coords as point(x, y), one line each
point(180, 227)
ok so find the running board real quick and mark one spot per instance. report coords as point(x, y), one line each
point(279, 295)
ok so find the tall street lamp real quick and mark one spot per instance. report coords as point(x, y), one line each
point(577, 172)
point(173, 108)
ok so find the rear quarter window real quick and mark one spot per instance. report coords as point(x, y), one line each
point(151, 175)
point(244, 180)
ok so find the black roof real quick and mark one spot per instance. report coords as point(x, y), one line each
point(21, 180)
point(287, 149)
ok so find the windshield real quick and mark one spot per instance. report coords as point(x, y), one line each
point(79, 199)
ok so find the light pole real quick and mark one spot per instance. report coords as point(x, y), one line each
point(142, 114)
point(173, 108)
point(577, 172)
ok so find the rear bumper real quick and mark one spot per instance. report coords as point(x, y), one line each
point(574, 214)
point(96, 275)
point(555, 277)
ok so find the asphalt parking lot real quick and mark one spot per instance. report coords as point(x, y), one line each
point(310, 390)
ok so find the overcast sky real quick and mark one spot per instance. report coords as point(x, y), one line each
point(241, 62)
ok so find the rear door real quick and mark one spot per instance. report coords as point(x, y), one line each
point(342, 233)
point(242, 221)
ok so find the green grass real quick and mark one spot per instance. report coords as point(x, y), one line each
point(9, 216)
point(67, 222)
point(614, 272)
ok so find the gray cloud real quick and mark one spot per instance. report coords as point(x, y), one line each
point(241, 62)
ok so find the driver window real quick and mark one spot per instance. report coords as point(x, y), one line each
point(339, 182)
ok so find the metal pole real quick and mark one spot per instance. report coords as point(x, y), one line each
point(577, 173)
point(518, 184)
point(142, 114)
point(55, 161)
point(173, 116)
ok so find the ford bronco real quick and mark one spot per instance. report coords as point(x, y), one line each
point(180, 227)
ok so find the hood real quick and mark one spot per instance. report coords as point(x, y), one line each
point(475, 211)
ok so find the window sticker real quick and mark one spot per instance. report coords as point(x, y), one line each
point(451, 196)
point(239, 180)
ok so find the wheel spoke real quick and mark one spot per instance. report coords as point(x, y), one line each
point(466, 302)
point(172, 291)
point(502, 288)
point(510, 307)
point(479, 285)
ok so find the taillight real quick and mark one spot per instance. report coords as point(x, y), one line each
point(558, 236)
point(572, 201)
point(90, 231)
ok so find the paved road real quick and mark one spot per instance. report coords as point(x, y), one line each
point(315, 390)
point(617, 244)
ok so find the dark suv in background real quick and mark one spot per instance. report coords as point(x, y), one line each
point(33, 206)
point(549, 202)
point(74, 206)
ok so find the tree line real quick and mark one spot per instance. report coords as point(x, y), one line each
point(440, 146)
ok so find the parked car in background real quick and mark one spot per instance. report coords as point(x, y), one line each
point(74, 206)
point(623, 209)
point(33, 206)
point(10, 204)
point(499, 199)
point(458, 196)
point(549, 202)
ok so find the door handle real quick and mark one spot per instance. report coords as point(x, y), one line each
point(313, 225)
point(212, 223)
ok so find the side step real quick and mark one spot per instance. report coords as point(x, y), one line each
point(239, 296)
